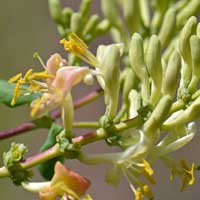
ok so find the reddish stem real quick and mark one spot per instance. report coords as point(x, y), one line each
point(28, 126)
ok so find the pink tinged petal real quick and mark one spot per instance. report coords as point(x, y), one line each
point(71, 179)
point(54, 62)
point(45, 104)
point(67, 77)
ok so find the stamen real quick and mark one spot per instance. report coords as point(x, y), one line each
point(28, 74)
point(80, 49)
point(15, 78)
point(147, 192)
point(41, 75)
point(188, 175)
point(147, 167)
point(35, 106)
point(37, 56)
point(16, 92)
point(138, 194)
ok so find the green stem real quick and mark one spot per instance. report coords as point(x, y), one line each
point(86, 125)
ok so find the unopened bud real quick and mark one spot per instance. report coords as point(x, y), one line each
point(168, 25)
point(172, 75)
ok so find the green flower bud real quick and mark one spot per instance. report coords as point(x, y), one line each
point(66, 16)
point(168, 26)
point(102, 27)
point(56, 11)
point(109, 67)
point(190, 9)
point(188, 115)
point(184, 42)
point(131, 12)
point(76, 24)
point(85, 9)
point(198, 30)
point(135, 103)
point(160, 9)
point(91, 25)
point(145, 12)
point(129, 80)
point(195, 54)
point(110, 10)
point(158, 115)
point(172, 75)
point(184, 47)
point(179, 5)
point(136, 56)
point(154, 66)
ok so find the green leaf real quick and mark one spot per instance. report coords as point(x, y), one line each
point(47, 168)
point(6, 95)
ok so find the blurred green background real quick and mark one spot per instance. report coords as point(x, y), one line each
point(26, 27)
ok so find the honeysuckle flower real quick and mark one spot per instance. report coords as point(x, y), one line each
point(135, 161)
point(65, 183)
point(54, 84)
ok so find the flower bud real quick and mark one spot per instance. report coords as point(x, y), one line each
point(76, 24)
point(131, 11)
point(91, 25)
point(158, 115)
point(102, 27)
point(172, 75)
point(135, 103)
point(168, 25)
point(109, 67)
point(56, 10)
point(198, 30)
point(136, 56)
point(190, 9)
point(145, 12)
point(154, 66)
point(67, 13)
point(184, 42)
point(109, 9)
point(195, 54)
point(85, 9)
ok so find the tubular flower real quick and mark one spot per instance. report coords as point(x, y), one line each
point(65, 183)
point(54, 84)
point(79, 48)
point(135, 161)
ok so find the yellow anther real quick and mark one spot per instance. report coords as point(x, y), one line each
point(148, 172)
point(147, 167)
point(80, 49)
point(34, 88)
point(138, 194)
point(15, 78)
point(188, 175)
point(147, 192)
point(16, 92)
point(28, 74)
point(41, 75)
point(35, 106)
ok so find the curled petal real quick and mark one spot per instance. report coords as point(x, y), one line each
point(72, 180)
point(54, 62)
point(67, 77)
